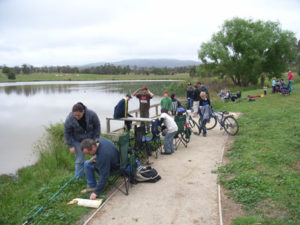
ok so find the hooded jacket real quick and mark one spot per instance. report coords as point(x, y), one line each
point(75, 133)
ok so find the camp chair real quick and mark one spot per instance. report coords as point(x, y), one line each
point(127, 158)
point(180, 136)
point(141, 142)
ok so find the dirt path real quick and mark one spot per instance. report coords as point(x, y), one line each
point(186, 194)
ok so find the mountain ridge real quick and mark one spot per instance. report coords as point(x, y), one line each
point(147, 63)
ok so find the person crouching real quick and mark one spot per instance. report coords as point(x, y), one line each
point(106, 159)
point(172, 130)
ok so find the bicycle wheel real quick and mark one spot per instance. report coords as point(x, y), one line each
point(194, 127)
point(231, 126)
point(209, 124)
point(186, 135)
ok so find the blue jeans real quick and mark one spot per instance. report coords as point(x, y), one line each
point(90, 169)
point(189, 103)
point(168, 142)
point(203, 123)
point(79, 161)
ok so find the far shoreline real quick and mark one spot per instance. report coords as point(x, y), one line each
point(48, 77)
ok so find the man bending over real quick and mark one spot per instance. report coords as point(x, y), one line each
point(106, 159)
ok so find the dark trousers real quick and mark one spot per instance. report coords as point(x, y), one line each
point(273, 89)
point(128, 123)
point(189, 103)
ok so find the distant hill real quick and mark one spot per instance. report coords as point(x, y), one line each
point(147, 63)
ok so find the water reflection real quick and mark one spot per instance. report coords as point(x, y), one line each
point(28, 90)
point(28, 108)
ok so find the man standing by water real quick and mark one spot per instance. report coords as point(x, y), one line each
point(80, 124)
point(144, 95)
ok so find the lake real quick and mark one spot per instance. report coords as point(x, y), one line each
point(27, 108)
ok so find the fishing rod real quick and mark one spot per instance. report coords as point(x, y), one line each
point(51, 198)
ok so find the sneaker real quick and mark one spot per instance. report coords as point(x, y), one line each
point(166, 153)
point(204, 134)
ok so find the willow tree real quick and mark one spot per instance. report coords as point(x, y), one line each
point(247, 50)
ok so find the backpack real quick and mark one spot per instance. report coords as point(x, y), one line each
point(147, 174)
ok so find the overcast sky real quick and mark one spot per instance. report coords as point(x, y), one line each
point(76, 32)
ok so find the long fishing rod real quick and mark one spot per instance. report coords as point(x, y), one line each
point(51, 198)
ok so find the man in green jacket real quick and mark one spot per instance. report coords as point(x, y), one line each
point(166, 102)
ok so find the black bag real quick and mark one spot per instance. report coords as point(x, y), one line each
point(147, 174)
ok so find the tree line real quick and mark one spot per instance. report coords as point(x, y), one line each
point(11, 72)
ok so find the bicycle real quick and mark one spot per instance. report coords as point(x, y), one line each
point(228, 122)
point(195, 128)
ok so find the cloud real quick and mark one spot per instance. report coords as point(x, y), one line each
point(59, 32)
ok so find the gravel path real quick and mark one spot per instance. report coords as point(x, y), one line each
point(186, 194)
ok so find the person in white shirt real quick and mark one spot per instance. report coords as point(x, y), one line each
point(171, 131)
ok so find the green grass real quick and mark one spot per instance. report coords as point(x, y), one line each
point(81, 77)
point(263, 174)
point(23, 194)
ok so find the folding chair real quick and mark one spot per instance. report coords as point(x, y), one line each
point(141, 142)
point(126, 158)
point(180, 136)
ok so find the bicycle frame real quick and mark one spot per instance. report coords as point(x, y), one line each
point(215, 115)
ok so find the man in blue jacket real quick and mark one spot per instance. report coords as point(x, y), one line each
point(121, 110)
point(106, 159)
point(80, 124)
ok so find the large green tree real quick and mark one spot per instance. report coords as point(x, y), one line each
point(248, 51)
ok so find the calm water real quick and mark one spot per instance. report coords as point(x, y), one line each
point(26, 108)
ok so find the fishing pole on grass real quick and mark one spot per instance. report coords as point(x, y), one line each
point(51, 198)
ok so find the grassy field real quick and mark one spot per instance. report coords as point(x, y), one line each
point(81, 77)
point(263, 173)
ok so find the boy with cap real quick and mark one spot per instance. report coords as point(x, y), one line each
point(144, 95)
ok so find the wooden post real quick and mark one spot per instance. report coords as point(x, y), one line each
point(107, 125)
point(136, 114)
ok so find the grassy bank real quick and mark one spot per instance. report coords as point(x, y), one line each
point(21, 195)
point(83, 77)
point(263, 173)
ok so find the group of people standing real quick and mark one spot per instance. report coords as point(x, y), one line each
point(278, 85)
point(193, 96)
point(82, 130)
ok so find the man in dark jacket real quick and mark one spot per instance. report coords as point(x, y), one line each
point(196, 99)
point(202, 88)
point(189, 96)
point(80, 124)
point(106, 159)
point(121, 110)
